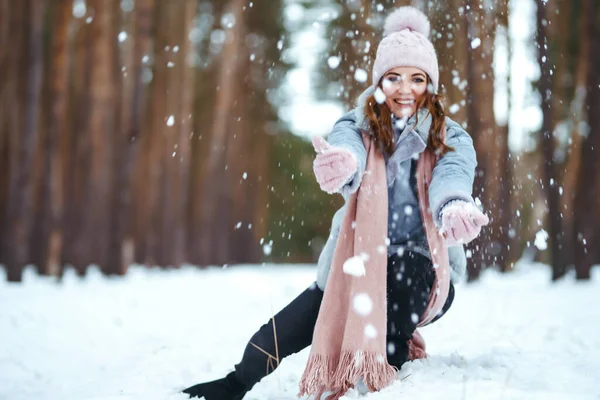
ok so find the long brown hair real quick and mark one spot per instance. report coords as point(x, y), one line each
point(380, 122)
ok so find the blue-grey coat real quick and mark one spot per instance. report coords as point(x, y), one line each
point(452, 179)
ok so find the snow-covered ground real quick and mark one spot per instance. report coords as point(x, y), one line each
point(152, 333)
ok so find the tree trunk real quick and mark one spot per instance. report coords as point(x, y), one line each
point(216, 193)
point(77, 250)
point(576, 106)
point(151, 218)
point(101, 126)
point(26, 73)
point(122, 247)
point(56, 142)
point(587, 214)
point(452, 48)
point(505, 165)
point(548, 145)
point(482, 128)
point(183, 209)
point(7, 8)
point(169, 182)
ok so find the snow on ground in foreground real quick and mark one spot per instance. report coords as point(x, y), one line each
point(152, 333)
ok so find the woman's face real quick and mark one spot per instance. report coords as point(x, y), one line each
point(404, 89)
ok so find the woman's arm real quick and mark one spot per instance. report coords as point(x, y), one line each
point(453, 173)
point(347, 135)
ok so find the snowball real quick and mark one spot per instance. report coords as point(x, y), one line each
point(370, 331)
point(333, 62)
point(379, 96)
point(541, 238)
point(122, 36)
point(363, 305)
point(475, 43)
point(127, 5)
point(354, 266)
point(79, 8)
point(401, 123)
point(414, 318)
point(454, 108)
point(267, 249)
point(391, 349)
point(228, 20)
point(361, 75)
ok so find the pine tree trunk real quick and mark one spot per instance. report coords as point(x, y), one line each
point(101, 125)
point(151, 223)
point(77, 249)
point(26, 72)
point(5, 91)
point(183, 209)
point(576, 106)
point(548, 144)
point(56, 142)
point(482, 128)
point(216, 194)
point(587, 212)
point(505, 165)
point(168, 184)
point(452, 48)
point(123, 245)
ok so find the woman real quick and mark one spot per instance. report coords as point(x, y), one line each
point(406, 172)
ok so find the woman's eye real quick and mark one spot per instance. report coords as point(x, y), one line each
point(392, 78)
point(418, 80)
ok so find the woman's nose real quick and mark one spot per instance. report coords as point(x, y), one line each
point(404, 86)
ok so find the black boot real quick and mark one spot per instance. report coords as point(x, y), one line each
point(293, 328)
point(228, 388)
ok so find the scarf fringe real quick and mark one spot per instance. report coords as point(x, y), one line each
point(326, 373)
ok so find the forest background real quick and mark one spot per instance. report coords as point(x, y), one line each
point(178, 132)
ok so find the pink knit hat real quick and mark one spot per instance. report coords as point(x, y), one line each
point(405, 44)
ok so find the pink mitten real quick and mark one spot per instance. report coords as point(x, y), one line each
point(462, 222)
point(333, 166)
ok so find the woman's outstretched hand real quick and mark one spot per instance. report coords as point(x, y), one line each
point(333, 166)
point(462, 222)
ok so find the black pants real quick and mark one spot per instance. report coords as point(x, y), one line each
point(409, 281)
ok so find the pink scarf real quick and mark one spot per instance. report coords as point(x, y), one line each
point(349, 340)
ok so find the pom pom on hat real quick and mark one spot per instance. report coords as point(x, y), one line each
point(407, 18)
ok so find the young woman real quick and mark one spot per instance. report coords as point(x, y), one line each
point(406, 172)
